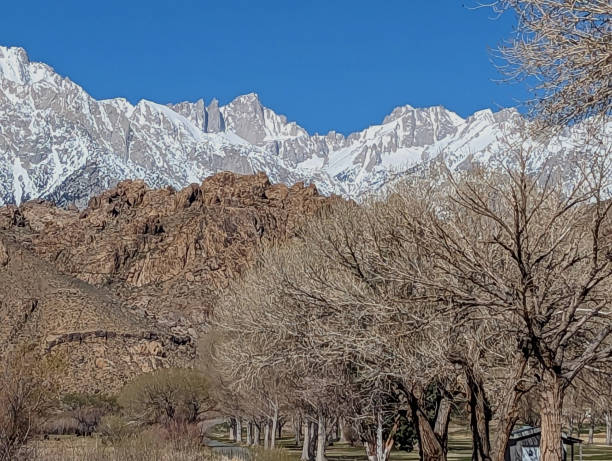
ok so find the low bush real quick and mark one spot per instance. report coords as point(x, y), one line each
point(166, 396)
point(113, 428)
point(59, 424)
point(27, 385)
point(80, 414)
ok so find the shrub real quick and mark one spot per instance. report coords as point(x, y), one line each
point(26, 384)
point(165, 396)
point(79, 413)
point(60, 424)
point(77, 400)
point(88, 409)
point(148, 445)
point(113, 428)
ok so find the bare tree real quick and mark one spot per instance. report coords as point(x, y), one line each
point(167, 395)
point(564, 46)
point(489, 367)
point(588, 400)
point(486, 285)
point(28, 385)
point(526, 250)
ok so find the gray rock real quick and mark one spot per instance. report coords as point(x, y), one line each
point(214, 118)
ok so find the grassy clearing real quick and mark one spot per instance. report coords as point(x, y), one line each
point(153, 445)
point(147, 445)
point(460, 449)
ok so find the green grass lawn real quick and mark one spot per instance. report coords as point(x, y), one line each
point(459, 449)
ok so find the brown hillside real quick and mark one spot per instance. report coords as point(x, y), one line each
point(101, 342)
point(126, 284)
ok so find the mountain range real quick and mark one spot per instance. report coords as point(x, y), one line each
point(124, 282)
point(60, 144)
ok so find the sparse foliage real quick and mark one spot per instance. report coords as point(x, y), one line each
point(166, 395)
point(566, 48)
point(27, 385)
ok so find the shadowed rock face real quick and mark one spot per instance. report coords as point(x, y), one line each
point(126, 284)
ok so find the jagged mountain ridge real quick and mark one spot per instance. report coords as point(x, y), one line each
point(59, 143)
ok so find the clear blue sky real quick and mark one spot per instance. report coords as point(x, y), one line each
point(331, 64)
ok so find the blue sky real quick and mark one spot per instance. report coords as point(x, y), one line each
point(331, 64)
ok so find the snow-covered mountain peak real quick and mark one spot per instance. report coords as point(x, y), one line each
point(432, 112)
point(195, 112)
point(506, 114)
point(249, 119)
point(15, 66)
point(484, 114)
point(398, 112)
point(167, 118)
point(59, 143)
point(249, 98)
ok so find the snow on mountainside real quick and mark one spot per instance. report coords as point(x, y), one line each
point(58, 143)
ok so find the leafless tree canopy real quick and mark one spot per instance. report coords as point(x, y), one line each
point(565, 47)
point(492, 286)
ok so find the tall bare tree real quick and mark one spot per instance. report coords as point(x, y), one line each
point(565, 48)
point(535, 254)
point(487, 284)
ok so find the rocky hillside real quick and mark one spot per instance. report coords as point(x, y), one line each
point(125, 285)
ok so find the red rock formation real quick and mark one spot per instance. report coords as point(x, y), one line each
point(162, 255)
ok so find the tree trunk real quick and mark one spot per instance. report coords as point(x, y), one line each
point(267, 435)
point(232, 430)
point(274, 428)
point(256, 434)
point(306, 446)
point(238, 430)
point(442, 421)
point(508, 410)
point(341, 425)
point(480, 415)
point(379, 437)
point(551, 405)
point(380, 449)
point(370, 449)
point(579, 428)
point(478, 406)
point(314, 430)
point(298, 429)
point(249, 432)
point(321, 439)
point(504, 429)
point(430, 448)
point(608, 428)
